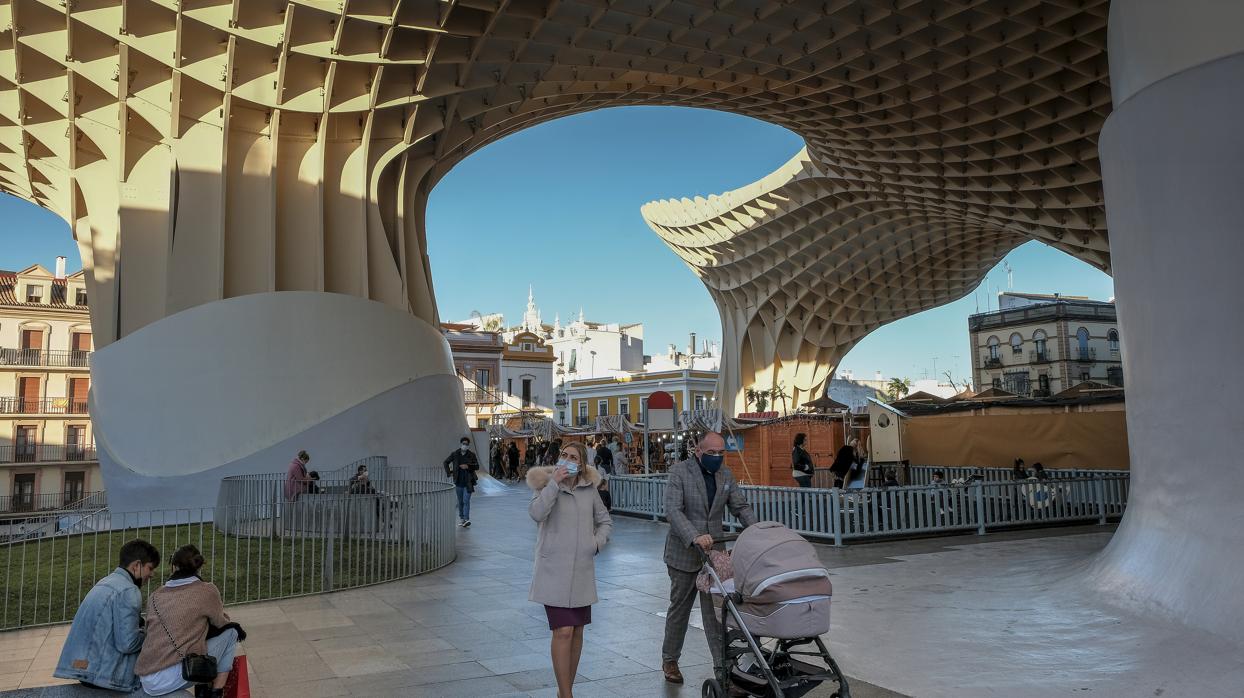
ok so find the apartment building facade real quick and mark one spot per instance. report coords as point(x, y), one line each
point(1039, 345)
point(47, 451)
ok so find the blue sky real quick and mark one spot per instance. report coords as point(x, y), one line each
point(562, 214)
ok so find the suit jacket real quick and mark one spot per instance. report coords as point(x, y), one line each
point(686, 507)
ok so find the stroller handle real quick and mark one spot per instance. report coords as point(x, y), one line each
point(723, 538)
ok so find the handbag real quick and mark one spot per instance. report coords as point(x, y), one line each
point(195, 668)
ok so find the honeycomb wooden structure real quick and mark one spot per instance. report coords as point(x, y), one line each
point(206, 149)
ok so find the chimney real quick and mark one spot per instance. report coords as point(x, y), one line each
point(691, 347)
point(60, 267)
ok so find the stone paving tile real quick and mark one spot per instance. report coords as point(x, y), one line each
point(493, 686)
point(361, 661)
point(515, 663)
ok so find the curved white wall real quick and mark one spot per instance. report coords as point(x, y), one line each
point(1173, 163)
point(220, 381)
point(1154, 39)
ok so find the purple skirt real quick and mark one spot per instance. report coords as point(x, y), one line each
point(568, 617)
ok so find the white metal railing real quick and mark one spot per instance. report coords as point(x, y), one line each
point(923, 474)
point(876, 513)
point(257, 549)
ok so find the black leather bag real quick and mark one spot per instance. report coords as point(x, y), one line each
point(195, 668)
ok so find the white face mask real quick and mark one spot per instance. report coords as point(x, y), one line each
point(464, 448)
point(570, 466)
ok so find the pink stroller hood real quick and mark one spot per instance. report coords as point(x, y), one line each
point(772, 560)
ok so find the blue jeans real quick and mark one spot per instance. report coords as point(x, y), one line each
point(464, 502)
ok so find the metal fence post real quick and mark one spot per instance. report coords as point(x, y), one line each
point(980, 507)
point(835, 516)
point(329, 539)
point(1099, 492)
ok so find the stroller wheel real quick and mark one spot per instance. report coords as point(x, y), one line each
point(712, 689)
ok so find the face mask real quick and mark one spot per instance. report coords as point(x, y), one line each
point(464, 447)
point(711, 463)
point(570, 466)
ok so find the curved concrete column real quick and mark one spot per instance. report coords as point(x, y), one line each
point(239, 386)
point(1173, 164)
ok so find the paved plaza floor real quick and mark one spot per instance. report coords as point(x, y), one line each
point(960, 616)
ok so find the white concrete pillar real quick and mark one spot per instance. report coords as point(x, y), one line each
point(1173, 163)
point(239, 386)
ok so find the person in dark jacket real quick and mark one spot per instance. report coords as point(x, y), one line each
point(846, 459)
point(495, 468)
point(801, 465)
point(1019, 472)
point(512, 453)
point(461, 466)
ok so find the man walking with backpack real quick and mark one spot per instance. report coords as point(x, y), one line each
point(461, 466)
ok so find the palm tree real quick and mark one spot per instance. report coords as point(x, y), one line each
point(779, 393)
point(898, 387)
point(758, 397)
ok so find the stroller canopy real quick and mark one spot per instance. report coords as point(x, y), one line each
point(768, 556)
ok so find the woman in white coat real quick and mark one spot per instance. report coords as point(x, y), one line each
point(573, 527)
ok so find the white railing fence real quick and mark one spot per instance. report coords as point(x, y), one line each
point(923, 509)
point(258, 546)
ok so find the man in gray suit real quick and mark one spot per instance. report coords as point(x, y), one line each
point(697, 495)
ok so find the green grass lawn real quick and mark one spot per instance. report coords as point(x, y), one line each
point(44, 580)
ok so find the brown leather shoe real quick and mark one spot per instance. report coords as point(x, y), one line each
point(672, 674)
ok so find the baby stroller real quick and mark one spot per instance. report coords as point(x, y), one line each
point(779, 592)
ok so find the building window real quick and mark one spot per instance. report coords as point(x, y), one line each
point(1017, 382)
point(80, 299)
point(993, 348)
point(1082, 339)
point(482, 422)
point(1112, 338)
point(75, 442)
point(1114, 376)
point(1084, 376)
point(699, 402)
point(561, 416)
point(574, 360)
point(997, 383)
point(34, 293)
point(25, 443)
point(482, 377)
point(528, 398)
point(75, 487)
point(602, 408)
point(509, 386)
point(528, 346)
point(1043, 384)
point(643, 409)
point(624, 407)
point(1038, 339)
point(1017, 344)
point(23, 492)
point(582, 412)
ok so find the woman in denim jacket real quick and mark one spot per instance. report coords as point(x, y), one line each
point(107, 632)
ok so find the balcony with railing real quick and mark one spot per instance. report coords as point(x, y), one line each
point(42, 405)
point(30, 502)
point(481, 397)
point(46, 453)
point(1041, 392)
point(42, 358)
point(992, 362)
point(1086, 355)
point(1039, 357)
